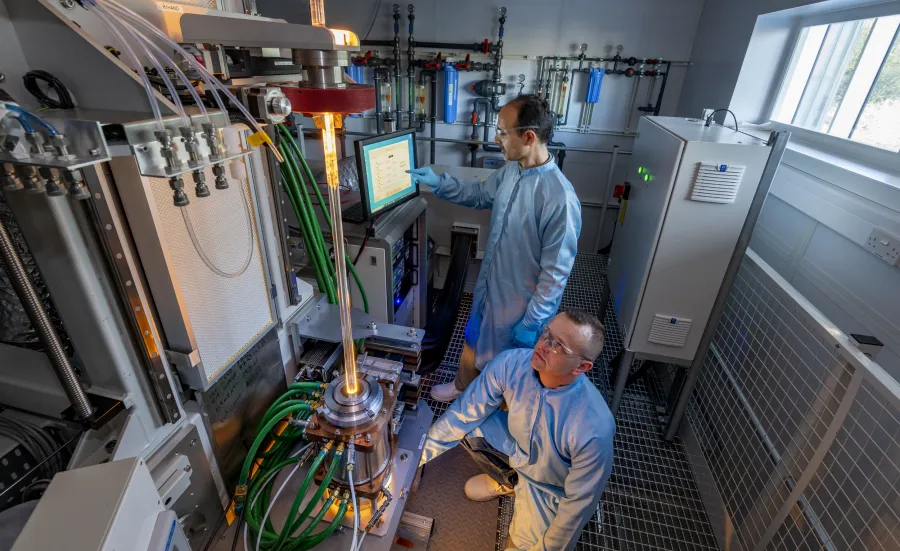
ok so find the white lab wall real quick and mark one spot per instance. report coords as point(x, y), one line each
point(646, 28)
point(822, 207)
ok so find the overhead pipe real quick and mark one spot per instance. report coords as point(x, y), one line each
point(50, 340)
point(314, 133)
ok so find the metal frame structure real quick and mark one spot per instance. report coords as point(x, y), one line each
point(798, 426)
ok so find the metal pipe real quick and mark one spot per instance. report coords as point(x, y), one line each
point(398, 84)
point(605, 197)
point(605, 59)
point(621, 380)
point(312, 132)
point(569, 100)
point(411, 69)
point(634, 93)
point(471, 47)
point(778, 142)
point(662, 87)
point(432, 74)
point(379, 76)
point(53, 346)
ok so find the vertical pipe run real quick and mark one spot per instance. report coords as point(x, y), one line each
point(340, 262)
point(631, 106)
point(379, 124)
point(605, 197)
point(53, 347)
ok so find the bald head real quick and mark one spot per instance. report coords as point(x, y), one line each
point(588, 335)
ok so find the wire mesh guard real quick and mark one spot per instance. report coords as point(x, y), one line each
point(219, 268)
point(801, 459)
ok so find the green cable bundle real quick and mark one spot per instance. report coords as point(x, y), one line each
point(295, 187)
point(255, 501)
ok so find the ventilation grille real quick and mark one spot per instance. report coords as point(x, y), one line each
point(717, 183)
point(669, 331)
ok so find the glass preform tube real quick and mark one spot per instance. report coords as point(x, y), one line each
point(340, 262)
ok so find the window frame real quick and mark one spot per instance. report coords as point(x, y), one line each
point(882, 159)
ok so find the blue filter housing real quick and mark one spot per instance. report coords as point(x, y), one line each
point(358, 74)
point(451, 92)
point(593, 90)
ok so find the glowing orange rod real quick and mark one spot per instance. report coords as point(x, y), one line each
point(340, 257)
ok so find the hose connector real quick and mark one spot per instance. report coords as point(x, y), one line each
point(240, 495)
point(351, 457)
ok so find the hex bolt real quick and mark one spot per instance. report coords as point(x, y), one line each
point(368, 437)
point(53, 188)
point(37, 144)
point(75, 181)
point(191, 145)
point(62, 148)
point(8, 179)
point(30, 180)
point(179, 197)
point(212, 140)
point(218, 171)
point(164, 137)
point(200, 189)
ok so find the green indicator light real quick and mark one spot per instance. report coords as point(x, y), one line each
point(640, 170)
point(646, 177)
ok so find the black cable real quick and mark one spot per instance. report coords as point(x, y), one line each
point(369, 231)
point(711, 115)
point(219, 524)
point(64, 98)
point(374, 19)
point(237, 529)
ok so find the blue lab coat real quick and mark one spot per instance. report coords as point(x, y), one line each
point(559, 441)
point(535, 224)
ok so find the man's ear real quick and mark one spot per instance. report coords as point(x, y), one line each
point(530, 137)
point(584, 366)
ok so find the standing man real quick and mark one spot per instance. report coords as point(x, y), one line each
point(556, 450)
point(532, 241)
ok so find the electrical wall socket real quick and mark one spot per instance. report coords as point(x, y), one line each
point(885, 246)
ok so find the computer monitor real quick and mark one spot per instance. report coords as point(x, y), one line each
point(382, 162)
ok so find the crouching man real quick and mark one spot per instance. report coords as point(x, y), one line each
point(553, 448)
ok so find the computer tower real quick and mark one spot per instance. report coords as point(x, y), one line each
point(393, 264)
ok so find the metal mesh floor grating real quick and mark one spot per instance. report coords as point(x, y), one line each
point(652, 500)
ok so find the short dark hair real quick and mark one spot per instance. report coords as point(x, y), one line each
point(534, 112)
point(587, 320)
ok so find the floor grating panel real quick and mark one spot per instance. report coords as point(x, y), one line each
point(652, 500)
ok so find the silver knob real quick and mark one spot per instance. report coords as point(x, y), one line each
point(280, 106)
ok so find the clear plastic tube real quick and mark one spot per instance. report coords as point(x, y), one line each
point(160, 70)
point(168, 61)
point(353, 544)
point(199, 248)
point(212, 82)
point(151, 97)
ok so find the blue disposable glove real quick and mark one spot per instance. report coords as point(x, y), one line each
point(524, 337)
point(425, 176)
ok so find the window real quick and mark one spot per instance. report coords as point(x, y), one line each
point(844, 80)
